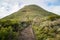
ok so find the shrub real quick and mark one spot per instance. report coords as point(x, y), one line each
point(7, 34)
point(48, 30)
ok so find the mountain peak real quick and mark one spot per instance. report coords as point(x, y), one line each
point(32, 7)
point(31, 11)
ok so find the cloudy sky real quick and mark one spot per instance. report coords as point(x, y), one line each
point(9, 6)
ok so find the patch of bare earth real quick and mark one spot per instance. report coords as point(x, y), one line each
point(27, 34)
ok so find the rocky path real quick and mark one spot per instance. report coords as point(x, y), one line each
point(27, 34)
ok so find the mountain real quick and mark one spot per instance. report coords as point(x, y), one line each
point(29, 11)
point(45, 25)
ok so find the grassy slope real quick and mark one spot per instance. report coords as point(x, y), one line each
point(30, 11)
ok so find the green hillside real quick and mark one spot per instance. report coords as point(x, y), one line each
point(29, 11)
point(46, 25)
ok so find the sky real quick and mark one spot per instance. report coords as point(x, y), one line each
point(8, 7)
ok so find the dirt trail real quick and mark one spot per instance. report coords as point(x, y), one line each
point(27, 34)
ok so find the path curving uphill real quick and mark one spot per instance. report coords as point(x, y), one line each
point(27, 34)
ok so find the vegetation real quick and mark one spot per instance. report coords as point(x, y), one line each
point(45, 24)
point(9, 29)
point(47, 29)
point(8, 34)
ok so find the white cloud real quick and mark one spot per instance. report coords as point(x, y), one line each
point(2, 11)
point(51, 0)
point(55, 9)
point(9, 6)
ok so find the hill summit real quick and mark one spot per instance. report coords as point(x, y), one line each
point(29, 11)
